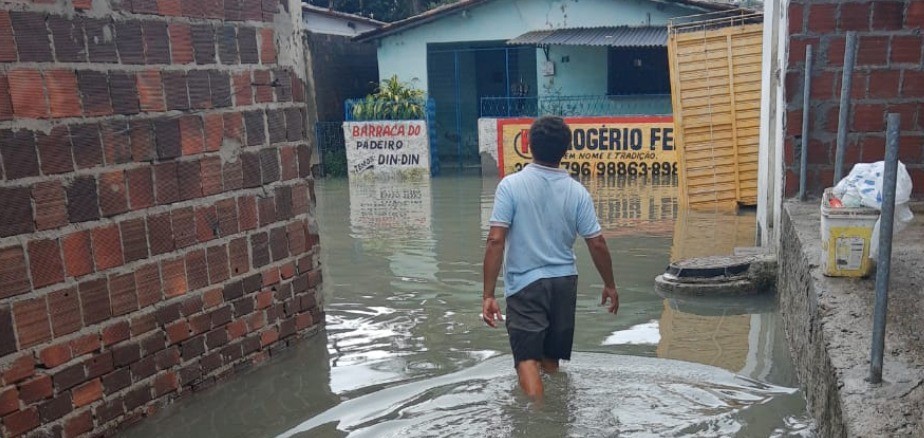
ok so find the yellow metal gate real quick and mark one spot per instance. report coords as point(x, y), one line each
point(715, 64)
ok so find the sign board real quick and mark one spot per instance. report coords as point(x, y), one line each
point(600, 146)
point(387, 148)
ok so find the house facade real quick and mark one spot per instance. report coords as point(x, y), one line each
point(520, 58)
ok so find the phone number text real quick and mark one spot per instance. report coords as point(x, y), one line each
point(631, 168)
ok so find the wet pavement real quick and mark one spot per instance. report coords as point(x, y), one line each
point(406, 354)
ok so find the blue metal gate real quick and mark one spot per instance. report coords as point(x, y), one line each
point(459, 76)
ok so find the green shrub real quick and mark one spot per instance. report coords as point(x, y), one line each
point(335, 163)
point(393, 100)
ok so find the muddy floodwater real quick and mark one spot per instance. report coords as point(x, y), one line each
point(405, 354)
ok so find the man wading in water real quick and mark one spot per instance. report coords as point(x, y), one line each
point(538, 213)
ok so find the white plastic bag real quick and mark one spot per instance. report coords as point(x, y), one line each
point(863, 187)
point(903, 216)
point(864, 184)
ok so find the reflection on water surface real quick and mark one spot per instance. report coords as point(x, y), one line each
point(405, 353)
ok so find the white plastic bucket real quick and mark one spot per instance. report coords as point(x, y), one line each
point(846, 234)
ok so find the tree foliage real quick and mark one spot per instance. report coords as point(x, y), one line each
point(382, 10)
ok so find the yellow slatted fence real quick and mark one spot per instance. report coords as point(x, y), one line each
point(715, 63)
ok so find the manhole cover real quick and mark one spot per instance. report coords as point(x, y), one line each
point(710, 267)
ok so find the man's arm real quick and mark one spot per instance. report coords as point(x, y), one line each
point(493, 258)
point(600, 253)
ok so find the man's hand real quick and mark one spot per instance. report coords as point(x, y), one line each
point(493, 258)
point(600, 254)
point(490, 312)
point(611, 294)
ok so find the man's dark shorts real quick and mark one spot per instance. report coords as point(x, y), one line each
point(540, 319)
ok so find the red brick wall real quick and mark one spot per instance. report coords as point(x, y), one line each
point(888, 77)
point(155, 204)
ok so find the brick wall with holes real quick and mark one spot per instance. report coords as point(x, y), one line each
point(156, 204)
point(888, 77)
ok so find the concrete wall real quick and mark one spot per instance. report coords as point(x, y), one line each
point(889, 77)
point(405, 53)
point(803, 319)
point(829, 324)
point(772, 109)
point(342, 69)
point(487, 146)
point(156, 224)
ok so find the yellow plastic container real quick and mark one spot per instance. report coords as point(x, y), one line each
point(846, 234)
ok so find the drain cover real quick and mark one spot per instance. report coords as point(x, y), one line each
point(713, 268)
point(732, 275)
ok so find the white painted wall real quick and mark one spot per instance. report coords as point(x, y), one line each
point(772, 108)
point(487, 147)
point(782, 55)
point(487, 137)
point(583, 75)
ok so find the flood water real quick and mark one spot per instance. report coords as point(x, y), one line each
point(405, 353)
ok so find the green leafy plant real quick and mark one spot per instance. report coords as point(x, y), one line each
point(393, 100)
point(335, 163)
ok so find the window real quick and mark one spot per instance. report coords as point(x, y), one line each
point(638, 70)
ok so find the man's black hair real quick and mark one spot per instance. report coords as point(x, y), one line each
point(549, 137)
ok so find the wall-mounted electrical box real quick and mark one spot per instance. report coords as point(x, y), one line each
point(548, 69)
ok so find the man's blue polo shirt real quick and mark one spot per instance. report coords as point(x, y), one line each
point(544, 210)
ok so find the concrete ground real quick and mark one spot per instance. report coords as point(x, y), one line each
point(829, 324)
